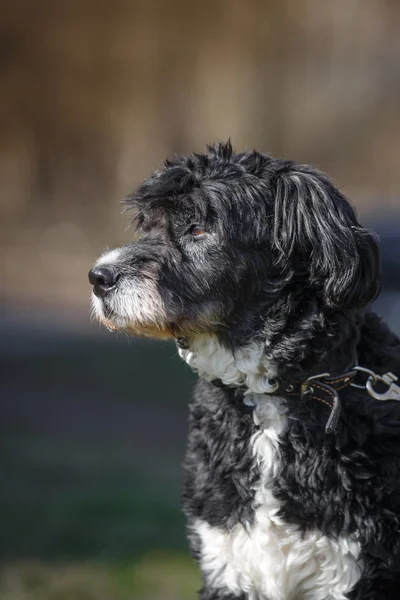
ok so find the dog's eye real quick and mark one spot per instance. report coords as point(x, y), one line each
point(197, 231)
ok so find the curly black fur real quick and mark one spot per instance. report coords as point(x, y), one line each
point(285, 262)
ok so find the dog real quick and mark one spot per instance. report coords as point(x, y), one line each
point(260, 271)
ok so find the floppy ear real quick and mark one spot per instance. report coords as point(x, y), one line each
point(316, 226)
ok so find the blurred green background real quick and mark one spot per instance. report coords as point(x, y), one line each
point(94, 94)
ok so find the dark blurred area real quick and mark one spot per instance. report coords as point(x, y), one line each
point(93, 96)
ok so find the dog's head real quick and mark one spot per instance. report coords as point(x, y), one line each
point(226, 240)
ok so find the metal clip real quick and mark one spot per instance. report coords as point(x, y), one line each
point(372, 376)
point(393, 393)
point(306, 388)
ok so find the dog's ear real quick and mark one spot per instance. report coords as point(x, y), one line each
point(316, 229)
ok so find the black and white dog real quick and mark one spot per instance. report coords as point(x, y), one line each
point(261, 272)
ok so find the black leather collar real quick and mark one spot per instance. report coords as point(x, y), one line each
point(325, 389)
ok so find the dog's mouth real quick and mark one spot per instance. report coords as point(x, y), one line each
point(123, 312)
point(118, 314)
point(140, 329)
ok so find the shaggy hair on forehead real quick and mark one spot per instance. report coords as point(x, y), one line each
point(289, 209)
point(260, 270)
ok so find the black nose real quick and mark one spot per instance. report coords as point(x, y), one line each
point(103, 280)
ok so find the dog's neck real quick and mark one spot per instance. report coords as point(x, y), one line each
point(292, 357)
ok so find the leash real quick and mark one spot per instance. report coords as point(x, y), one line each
point(325, 388)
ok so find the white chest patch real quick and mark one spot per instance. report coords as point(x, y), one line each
point(248, 367)
point(271, 559)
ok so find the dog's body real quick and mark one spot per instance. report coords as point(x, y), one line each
point(279, 509)
point(261, 272)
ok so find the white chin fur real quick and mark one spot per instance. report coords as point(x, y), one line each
point(134, 304)
point(97, 307)
point(247, 367)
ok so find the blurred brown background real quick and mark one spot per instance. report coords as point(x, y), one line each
point(94, 94)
